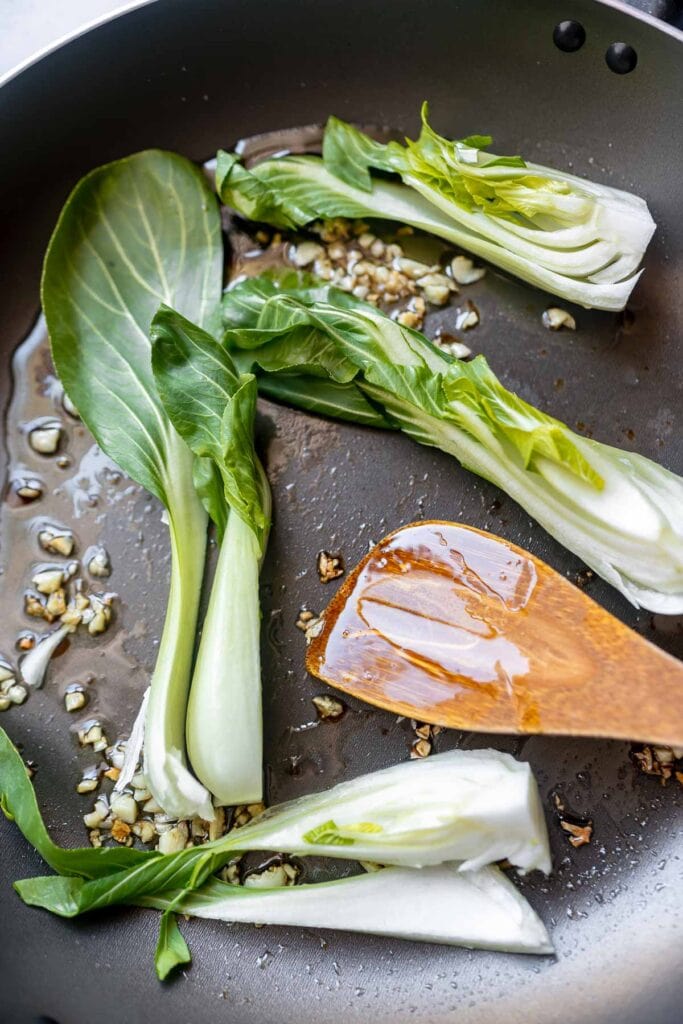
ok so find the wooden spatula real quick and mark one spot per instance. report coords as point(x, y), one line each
point(457, 627)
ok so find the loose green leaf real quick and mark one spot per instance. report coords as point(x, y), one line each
point(133, 234)
point(172, 950)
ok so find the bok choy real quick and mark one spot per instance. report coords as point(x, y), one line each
point(474, 807)
point(132, 235)
point(212, 407)
point(572, 237)
point(619, 512)
point(479, 909)
point(470, 807)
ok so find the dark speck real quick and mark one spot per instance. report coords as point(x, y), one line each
point(584, 577)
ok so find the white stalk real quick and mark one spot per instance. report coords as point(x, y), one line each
point(630, 532)
point(134, 746)
point(165, 765)
point(224, 726)
point(478, 909)
point(473, 806)
point(415, 204)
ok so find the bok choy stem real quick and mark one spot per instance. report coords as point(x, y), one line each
point(478, 909)
point(213, 408)
point(575, 238)
point(164, 743)
point(224, 727)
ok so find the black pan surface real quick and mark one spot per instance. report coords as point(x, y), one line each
point(194, 76)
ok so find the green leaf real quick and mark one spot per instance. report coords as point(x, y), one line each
point(242, 477)
point(255, 198)
point(323, 397)
point(195, 377)
point(530, 431)
point(18, 803)
point(212, 407)
point(172, 950)
point(330, 834)
point(349, 154)
point(208, 484)
point(133, 234)
point(476, 141)
point(327, 834)
point(69, 897)
point(294, 191)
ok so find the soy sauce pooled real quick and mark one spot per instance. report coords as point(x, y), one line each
point(425, 619)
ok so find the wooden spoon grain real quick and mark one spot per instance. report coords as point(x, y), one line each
point(455, 626)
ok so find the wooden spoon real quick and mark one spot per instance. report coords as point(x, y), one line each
point(455, 626)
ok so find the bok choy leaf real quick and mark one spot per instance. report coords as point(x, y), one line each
point(479, 909)
point(18, 804)
point(134, 234)
point(575, 238)
point(212, 407)
point(619, 512)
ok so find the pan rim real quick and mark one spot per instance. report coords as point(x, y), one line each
point(129, 8)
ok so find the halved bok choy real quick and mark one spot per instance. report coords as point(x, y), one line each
point(470, 806)
point(212, 407)
point(618, 511)
point(439, 823)
point(572, 237)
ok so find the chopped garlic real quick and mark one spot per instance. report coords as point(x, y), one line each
point(274, 877)
point(56, 541)
point(175, 839)
point(125, 808)
point(45, 438)
point(305, 253)
point(464, 271)
point(555, 318)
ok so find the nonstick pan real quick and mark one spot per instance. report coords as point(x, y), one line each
point(192, 76)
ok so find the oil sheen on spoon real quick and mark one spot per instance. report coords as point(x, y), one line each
point(455, 626)
point(425, 619)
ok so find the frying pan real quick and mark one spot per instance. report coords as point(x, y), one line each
point(191, 77)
